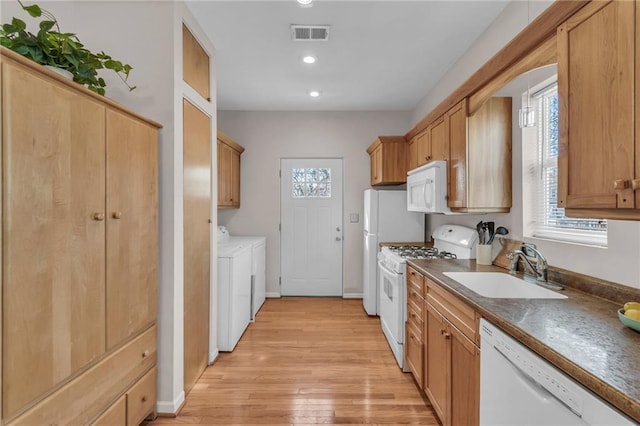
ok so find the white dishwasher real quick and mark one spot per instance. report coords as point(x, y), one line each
point(518, 387)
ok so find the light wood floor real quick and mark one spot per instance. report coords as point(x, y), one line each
point(307, 361)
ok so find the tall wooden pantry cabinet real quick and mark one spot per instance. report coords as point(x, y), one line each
point(79, 253)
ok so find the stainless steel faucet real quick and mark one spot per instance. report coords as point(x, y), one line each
point(540, 268)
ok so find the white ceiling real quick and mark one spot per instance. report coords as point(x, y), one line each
point(382, 55)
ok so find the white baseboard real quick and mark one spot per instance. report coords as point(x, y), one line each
point(213, 356)
point(170, 407)
point(352, 296)
point(273, 295)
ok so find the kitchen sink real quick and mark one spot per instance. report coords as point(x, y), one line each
point(499, 285)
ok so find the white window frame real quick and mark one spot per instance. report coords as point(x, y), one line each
point(536, 162)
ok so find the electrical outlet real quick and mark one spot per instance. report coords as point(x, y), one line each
point(354, 218)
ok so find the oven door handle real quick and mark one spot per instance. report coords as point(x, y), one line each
point(385, 269)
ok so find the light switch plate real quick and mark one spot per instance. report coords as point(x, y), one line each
point(354, 218)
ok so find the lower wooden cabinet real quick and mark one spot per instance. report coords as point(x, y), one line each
point(414, 337)
point(447, 349)
point(464, 380)
point(437, 363)
point(141, 398)
point(414, 347)
point(115, 415)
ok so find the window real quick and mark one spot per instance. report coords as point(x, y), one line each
point(311, 183)
point(549, 220)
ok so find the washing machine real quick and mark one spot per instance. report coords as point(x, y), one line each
point(258, 265)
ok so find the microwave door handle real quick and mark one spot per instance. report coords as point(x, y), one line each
point(428, 183)
point(424, 193)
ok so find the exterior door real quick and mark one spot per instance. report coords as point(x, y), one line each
point(311, 228)
point(197, 214)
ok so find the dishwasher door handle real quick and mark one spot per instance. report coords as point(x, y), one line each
point(533, 383)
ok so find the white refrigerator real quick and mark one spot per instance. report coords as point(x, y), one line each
point(386, 219)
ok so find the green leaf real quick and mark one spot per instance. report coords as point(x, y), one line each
point(33, 10)
point(9, 29)
point(18, 24)
point(46, 25)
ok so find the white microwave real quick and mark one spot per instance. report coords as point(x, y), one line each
point(427, 188)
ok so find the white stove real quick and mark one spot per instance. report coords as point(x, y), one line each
point(450, 242)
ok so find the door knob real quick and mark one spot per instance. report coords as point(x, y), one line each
point(98, 216)
point(117, 215)
point(338, 239)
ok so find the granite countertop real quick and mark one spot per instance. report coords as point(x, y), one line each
point(581, 335)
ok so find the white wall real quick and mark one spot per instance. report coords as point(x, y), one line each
point(148, 36)
point(503, 29)
point(619, 261)
point(270, 136)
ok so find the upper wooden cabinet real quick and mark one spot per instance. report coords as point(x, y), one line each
point(599, 155)
point(228, 172)
point(388, 160)
point(433, 142)
point(195, 64)
point(479, 163)
point(79, 247)
point(132, 210)
point(412, 153)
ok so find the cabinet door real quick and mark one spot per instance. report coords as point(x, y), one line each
point(424, 147)
point(412, 161)
point(224, 174)
point(132, 225)
point(195, 64)
point(197, 214)
point(596, 93)
point(53, 233)
point(465, 380)
point(414, 352)
point(438, 363)
point(234, 200)
point(439, 139)
point(376, 165)
point(457, 165)
point(489, 155)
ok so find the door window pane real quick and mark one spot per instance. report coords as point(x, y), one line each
point(311, 183)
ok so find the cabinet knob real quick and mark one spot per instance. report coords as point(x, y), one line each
point(447, 335)
point(620, 184)
point(146, 353)
point(144, 399)
point(98, 216)
point(117, 215)
point(635, 184)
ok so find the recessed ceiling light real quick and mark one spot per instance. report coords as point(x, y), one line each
point(314, 93)
point(309, 59)
point(305, 2)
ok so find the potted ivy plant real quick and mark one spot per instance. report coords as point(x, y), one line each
point(50, 46)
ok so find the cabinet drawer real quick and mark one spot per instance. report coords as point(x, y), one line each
point(85, 397)
point(454, 310)
point(415, 280)
point(141, 399)
point(414, 315)
point(414, 298)
point(115, 415)
point(414, 352)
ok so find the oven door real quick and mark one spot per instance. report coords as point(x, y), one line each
point(391, 288)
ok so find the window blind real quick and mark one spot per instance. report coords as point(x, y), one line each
point(549, 219)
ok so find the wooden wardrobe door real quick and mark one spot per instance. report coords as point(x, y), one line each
point(197, 213)
point(132, 226)
point(53, 271)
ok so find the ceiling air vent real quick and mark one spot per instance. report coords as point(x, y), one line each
point(310, 32)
